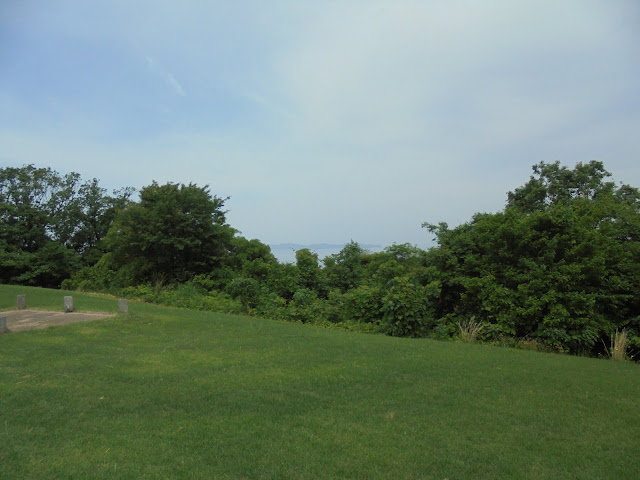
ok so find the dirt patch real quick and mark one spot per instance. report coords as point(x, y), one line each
point(18, 320)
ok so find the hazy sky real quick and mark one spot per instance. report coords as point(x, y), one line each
point(324, 121)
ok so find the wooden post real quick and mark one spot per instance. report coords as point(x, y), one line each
point(3, 325)
point(22, 302)
point(68, 304)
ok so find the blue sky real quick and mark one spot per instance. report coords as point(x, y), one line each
point(324, 121)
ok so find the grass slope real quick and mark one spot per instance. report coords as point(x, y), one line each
point(47, 299)
point(164, 393)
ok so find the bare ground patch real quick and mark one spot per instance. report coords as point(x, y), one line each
point(18, 320)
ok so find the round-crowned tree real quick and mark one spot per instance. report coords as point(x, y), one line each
point(174, 232)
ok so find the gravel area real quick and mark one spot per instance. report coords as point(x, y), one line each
point(18, 320)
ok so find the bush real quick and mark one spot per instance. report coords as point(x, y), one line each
point(364, 304)
point(305, 307)
point(271, 305)
point(405, 309)
point(246, 290)
point(184, 296)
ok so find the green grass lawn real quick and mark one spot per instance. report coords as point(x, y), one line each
point(167, 393)
point(46, 299)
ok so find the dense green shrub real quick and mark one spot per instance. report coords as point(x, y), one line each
point(344, 270)
point(405, 309)
point(271, 305)
point(246, 290)
point(184, 296)
point(561, 264)
point(364, 304)
point(305, 307)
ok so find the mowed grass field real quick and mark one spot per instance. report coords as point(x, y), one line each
point(167, 393)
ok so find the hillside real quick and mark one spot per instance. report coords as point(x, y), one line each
point(168, 393)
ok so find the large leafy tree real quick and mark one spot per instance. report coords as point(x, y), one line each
point(174, 232)
point(309, 274)
point(553, 183)
point(344, 270)
point(50, 224)
point(561, 263)
point(251, 258)
point(89, 217)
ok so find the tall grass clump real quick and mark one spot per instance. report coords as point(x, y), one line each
point(470, 329)
point(619, 345)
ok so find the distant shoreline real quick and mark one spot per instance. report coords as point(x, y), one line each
point(319, 246)
point(286, 252)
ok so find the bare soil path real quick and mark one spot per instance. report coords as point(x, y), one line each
point(18, 320)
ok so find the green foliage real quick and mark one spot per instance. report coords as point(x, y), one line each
point(554, 184)
point(309, 274)
point(270, 305)
point(188, 295)
point(364, 304)
point(246, 290)
point(405, 310)
point(335, 308)
point(51, 225)
point(251, 258)
point(560, 264)
point(395, 261)
point(305, 306)
point(283, 280)
point(344, 270)
point(304, 297)
point(558, 268)
point(174, 232)
point(47, 266)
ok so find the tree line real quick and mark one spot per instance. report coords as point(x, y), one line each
point(558, 267)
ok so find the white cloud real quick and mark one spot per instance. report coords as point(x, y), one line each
point(389, 72)
point(169, 79)
point(173, 83)
point(333, 120)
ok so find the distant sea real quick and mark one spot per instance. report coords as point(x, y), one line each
point(286, 252)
